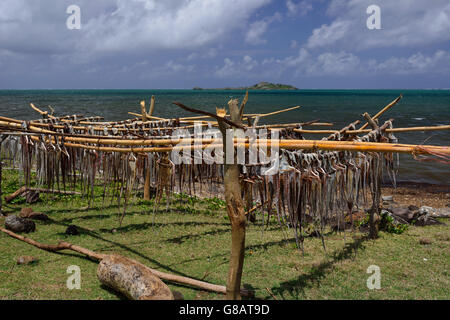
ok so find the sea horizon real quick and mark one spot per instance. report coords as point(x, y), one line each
point(419, 107)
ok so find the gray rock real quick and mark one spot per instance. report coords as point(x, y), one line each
point(426, 220)
point(406, 214)
point(400, 211)
point(388, 198)
point(401, 214)
point(443, 213)
point(427, 210)
point(18, 225)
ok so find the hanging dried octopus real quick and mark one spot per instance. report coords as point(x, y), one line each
point(165, 168)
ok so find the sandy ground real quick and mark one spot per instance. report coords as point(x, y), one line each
point(406, 194)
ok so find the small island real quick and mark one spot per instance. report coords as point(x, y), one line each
point(260, 86)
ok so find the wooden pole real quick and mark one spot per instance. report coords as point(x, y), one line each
point(393, 130)
point(143, 111)
point(390, 105)
point(152, 106)
point(235, 206)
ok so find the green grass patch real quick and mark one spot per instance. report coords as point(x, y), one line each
point(195, 242)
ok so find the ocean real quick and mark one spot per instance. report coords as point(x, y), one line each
point(417, 108)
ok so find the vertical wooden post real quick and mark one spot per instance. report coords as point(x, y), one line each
point(152, 106)
point(233, 195)
point(235, 207)
point(143, 111)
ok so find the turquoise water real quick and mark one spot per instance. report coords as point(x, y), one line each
point(417, 108)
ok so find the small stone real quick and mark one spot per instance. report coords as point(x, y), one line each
point(388, 198)
point(177, 295)
point(114, 231)
point(26, 260)
point(425, 241)
point(72, 230)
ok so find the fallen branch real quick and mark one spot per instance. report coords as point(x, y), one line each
point(206, 113)
point(110, 259)
point(24, 189)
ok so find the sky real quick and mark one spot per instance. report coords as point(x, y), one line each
point(179, 44)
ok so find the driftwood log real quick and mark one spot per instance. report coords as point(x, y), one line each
point(24, 189)
point(131, 278)
point(122, 282)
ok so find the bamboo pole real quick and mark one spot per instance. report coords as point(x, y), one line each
point(149, 142)
point(261, 115)
point(352, 146)
point(410, 129)
point(390, 105)
point(44, 114)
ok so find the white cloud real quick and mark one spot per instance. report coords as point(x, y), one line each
point(304, 64)
point(336, 64)
point(234, 69)
point(301, 8)
point(168, 69)
point(417, 63)
point(258, 29)
point(176, 24)
point(121, 25)
point(328, 63)
point(405, 23)
point(327, 35)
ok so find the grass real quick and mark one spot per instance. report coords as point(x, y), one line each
point(194, 240)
